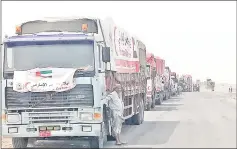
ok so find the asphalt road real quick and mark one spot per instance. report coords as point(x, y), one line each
point(198, 119)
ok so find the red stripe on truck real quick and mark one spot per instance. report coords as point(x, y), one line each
point(126, 66)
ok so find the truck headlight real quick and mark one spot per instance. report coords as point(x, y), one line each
point(13, 118)
point(86, 116)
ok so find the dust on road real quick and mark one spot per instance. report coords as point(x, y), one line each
point(198, 119)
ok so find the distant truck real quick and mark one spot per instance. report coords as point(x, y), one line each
point(167, 83)
point(102, 55)
point(174, 88)
point(151, 81)
point(196, 86)
point(210, 84)
point(155, 87)
point(160, 66)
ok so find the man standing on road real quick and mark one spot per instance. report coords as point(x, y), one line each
point(117, 107)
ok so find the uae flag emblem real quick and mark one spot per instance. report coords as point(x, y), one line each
point(45, 73)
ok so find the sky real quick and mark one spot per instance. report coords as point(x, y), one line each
point(195, 37)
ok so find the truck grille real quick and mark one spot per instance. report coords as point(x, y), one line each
point(81, 95)
point(49, 116)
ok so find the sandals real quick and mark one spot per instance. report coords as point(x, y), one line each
point(121, 143)
point(118, 143)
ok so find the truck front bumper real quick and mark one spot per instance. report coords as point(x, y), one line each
point(76, 130)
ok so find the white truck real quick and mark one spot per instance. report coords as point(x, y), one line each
point(37, 104)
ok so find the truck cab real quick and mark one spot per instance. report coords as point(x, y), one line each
point(174, 83)
point(167, 83)
point(57, 44)
point(83, 44)
point(151, 81)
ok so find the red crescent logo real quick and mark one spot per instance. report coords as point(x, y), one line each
point(26, 84)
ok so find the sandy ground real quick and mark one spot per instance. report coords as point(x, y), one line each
point(198, 119)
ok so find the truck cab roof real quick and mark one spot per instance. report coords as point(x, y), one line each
point(49, 36)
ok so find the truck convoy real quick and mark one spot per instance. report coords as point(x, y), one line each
point(56, 75)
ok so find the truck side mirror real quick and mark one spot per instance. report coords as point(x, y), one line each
point(106, 54)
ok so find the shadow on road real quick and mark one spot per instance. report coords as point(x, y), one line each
point(164, 108)
point(169, 104)
point(150, 133)
point(175, 98)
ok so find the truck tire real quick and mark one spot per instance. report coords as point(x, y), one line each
point(148, 108)
point(139, 117)
point(19, 142)
point(169, 96)
point(165, 97)
point(153, 104)
point(158, 101)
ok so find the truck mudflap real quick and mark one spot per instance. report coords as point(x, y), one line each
point(61, 130)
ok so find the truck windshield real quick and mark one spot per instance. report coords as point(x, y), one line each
point(60, 54)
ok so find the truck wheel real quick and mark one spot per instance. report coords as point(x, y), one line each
point(139, 117)
point(158, 101)
point(148, 108)
point(19, 142)
point(169, 96)
point(165, 97)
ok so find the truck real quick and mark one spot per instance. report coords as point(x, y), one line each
point(167, 83)
point(151, 80)
point(90, 56)
point(187, 84)
point(196, 86)
point(160, 66)
point(174, 87)
point(210, 84)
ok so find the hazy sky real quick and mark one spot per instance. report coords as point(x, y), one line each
point(195, 37)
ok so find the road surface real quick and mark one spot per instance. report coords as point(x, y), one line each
point(198, 119)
